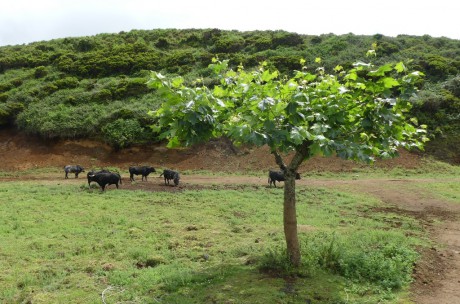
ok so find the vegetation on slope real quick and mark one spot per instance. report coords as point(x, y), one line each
point(95, 86)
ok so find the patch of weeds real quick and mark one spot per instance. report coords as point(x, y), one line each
point(386, 263)
point(276, 263)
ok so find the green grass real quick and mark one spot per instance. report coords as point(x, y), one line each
point(443, 189)
point(68, 244)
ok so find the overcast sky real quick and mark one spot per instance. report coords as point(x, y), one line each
point(25, 21)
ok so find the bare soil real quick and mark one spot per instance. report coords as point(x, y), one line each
point(436, 275)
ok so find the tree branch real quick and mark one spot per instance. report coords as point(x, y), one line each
point(300, 155)
point(279, 160)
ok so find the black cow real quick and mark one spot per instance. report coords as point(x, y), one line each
point(92, 172)
point(171, 175)
point(73, 169)
point(105, 178)
point(144, 171)
point(278, 176)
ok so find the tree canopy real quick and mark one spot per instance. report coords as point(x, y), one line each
point(360, 113)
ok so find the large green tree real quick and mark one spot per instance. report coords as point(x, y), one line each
point(359, 113)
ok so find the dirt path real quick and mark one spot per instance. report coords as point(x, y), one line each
point(437, 275)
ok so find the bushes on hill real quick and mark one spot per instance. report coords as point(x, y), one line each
point(97, 71)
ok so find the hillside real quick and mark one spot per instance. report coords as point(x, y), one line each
point(95, 87)
point(22, 152)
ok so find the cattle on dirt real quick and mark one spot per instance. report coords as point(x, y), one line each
point(278, 176)
point(171, 175)
point(73, 169)
point(105, 178)
point(144, 171)
point(92, 172)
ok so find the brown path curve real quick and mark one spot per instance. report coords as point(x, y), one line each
point(437, 275)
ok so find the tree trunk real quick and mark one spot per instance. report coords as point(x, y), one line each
point(290, 220)
point(289, 212)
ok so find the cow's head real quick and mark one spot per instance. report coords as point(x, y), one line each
point(176, 179)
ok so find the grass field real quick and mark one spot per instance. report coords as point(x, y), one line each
point(66, 243)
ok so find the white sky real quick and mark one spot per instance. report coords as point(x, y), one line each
point(25, 21)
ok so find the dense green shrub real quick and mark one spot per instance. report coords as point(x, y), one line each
point(59, 120)
point(8, 112)
point(180, 61)
point(281, 38)
point(453, 85)
point(5, 114)
point(66, 83)
point(40, 72)
point(229, 43)
point(437, 67)
point(6, 86)
point(4, 97)
point(122, 133)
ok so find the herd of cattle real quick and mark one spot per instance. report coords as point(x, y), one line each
point(105, 177)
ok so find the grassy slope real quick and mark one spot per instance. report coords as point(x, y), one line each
point(94, 87)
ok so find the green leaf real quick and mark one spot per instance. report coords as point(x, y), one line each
point(219, 92)
point(155, 128)
point(192, 117)
point(389, 82)
point(296, 137)
point(351, 76)
point(364, 136)
point(338, 68)
point(173, 142)
point(291, 108)
point(269, 126)
point(279, 107)
point(371, 53)
point(400, 67)
point(381, 70)
point(258, 138)
point(266, 103)
point(177, 82)
point(267, 76)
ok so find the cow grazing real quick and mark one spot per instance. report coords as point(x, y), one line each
point(144, 171)
point(105, 178)
point(278, 176)
point(171, 175)
point(73, 169)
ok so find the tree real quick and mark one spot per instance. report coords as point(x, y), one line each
point(358, 114)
